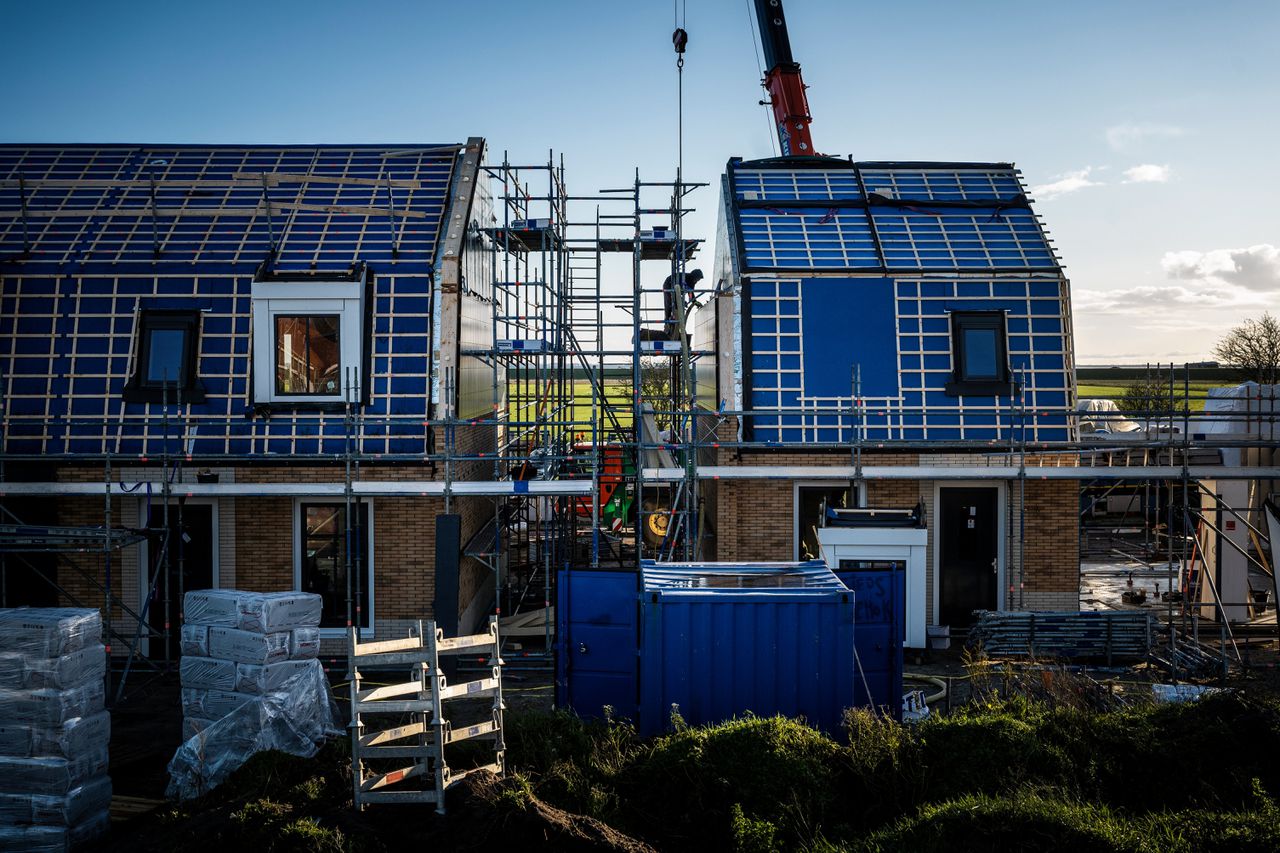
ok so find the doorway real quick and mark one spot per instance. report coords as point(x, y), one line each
point(191, 546)
point(968, 553)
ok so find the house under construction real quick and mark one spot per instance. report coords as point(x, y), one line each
point(410, 378)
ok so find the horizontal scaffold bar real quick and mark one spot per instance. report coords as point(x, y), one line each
point(971, 472)
point(364, 488)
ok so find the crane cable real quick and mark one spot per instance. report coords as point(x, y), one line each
point(768, 114)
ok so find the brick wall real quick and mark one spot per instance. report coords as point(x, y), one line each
point(755, 519)
point(256, 535)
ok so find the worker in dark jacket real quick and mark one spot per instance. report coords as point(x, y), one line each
point(671, 316)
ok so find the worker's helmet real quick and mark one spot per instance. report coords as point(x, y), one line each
point(695, 275)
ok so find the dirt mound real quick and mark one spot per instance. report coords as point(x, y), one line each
point(485, 808)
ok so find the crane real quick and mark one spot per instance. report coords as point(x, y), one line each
point(783, 82)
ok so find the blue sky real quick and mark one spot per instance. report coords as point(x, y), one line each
point(1147, 128)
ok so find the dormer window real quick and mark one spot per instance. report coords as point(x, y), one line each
point(166, 353)
point(308, 339)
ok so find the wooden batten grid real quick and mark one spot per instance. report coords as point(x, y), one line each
point(399, 731)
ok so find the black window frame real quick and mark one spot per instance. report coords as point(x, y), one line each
point(186, 387)
point(339, 393)
point(962, 383)
point(362, 535)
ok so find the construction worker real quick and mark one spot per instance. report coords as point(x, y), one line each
point(672, 317)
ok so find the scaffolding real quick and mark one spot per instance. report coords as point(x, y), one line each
point(594, 443)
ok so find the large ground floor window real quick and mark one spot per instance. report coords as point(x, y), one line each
point(326, 556)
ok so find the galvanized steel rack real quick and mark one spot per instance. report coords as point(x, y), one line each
point(385, 749)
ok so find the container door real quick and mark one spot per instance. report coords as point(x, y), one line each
point(597, 641)
point(968, 531)
point(879, 598)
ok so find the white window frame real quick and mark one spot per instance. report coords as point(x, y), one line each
point(369, 567)
point(861, 498)
point(346, 299)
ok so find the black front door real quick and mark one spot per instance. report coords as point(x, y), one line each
point(968, 539)
point(190, 557)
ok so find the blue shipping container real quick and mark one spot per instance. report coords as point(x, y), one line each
point(715, 640)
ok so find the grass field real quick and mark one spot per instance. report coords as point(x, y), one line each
point(617, 392)
point(1114, 391)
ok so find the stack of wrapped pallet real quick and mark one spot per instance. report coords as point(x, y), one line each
point(238, 646)
point(55, 793)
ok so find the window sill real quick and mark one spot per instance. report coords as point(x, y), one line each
point(266, 409)
point(133, 393)
point(982, 389)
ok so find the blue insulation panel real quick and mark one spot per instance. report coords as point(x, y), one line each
point(871, 280)
point(110, 231)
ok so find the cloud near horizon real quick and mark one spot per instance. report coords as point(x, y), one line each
point(1147, 173)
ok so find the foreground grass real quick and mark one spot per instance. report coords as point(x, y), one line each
point(1015, 776)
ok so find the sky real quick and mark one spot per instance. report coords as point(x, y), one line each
point(1146, 130)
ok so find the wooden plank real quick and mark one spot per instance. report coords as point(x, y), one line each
point(69, 212)
point(389, 690)
point(388, 735)
point(399, 751)
point(402, 797)
point(390, 646)
point(412, 706)
point(276, 178)
point(470, 688)
point(453, 645)
point(478, 730)
point(373, 783)
point(380, 659)
point(458, 775)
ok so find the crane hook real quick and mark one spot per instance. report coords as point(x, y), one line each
point(680, 39)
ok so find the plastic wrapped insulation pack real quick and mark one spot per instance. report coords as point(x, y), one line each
point(295, 719)
point(208, 673)
point(49, 632)
point(67, 809)
point(195, 640)
point(49, 707)
point(304, 643)
point(77, 736)
point(262, 613)
point(248, 646)
point(51, 776)
point(211, 704)
point(54, 839)
point(70, 670)
point(264, 679)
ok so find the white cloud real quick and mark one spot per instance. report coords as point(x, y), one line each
point(1129, 134)
point(1066, 183)
point(1146, 173)
point(1256, 268)
point(1160, 300)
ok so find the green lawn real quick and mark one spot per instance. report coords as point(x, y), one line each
point(1114, 391)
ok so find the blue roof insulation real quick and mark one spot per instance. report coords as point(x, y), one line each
point(91, 235)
